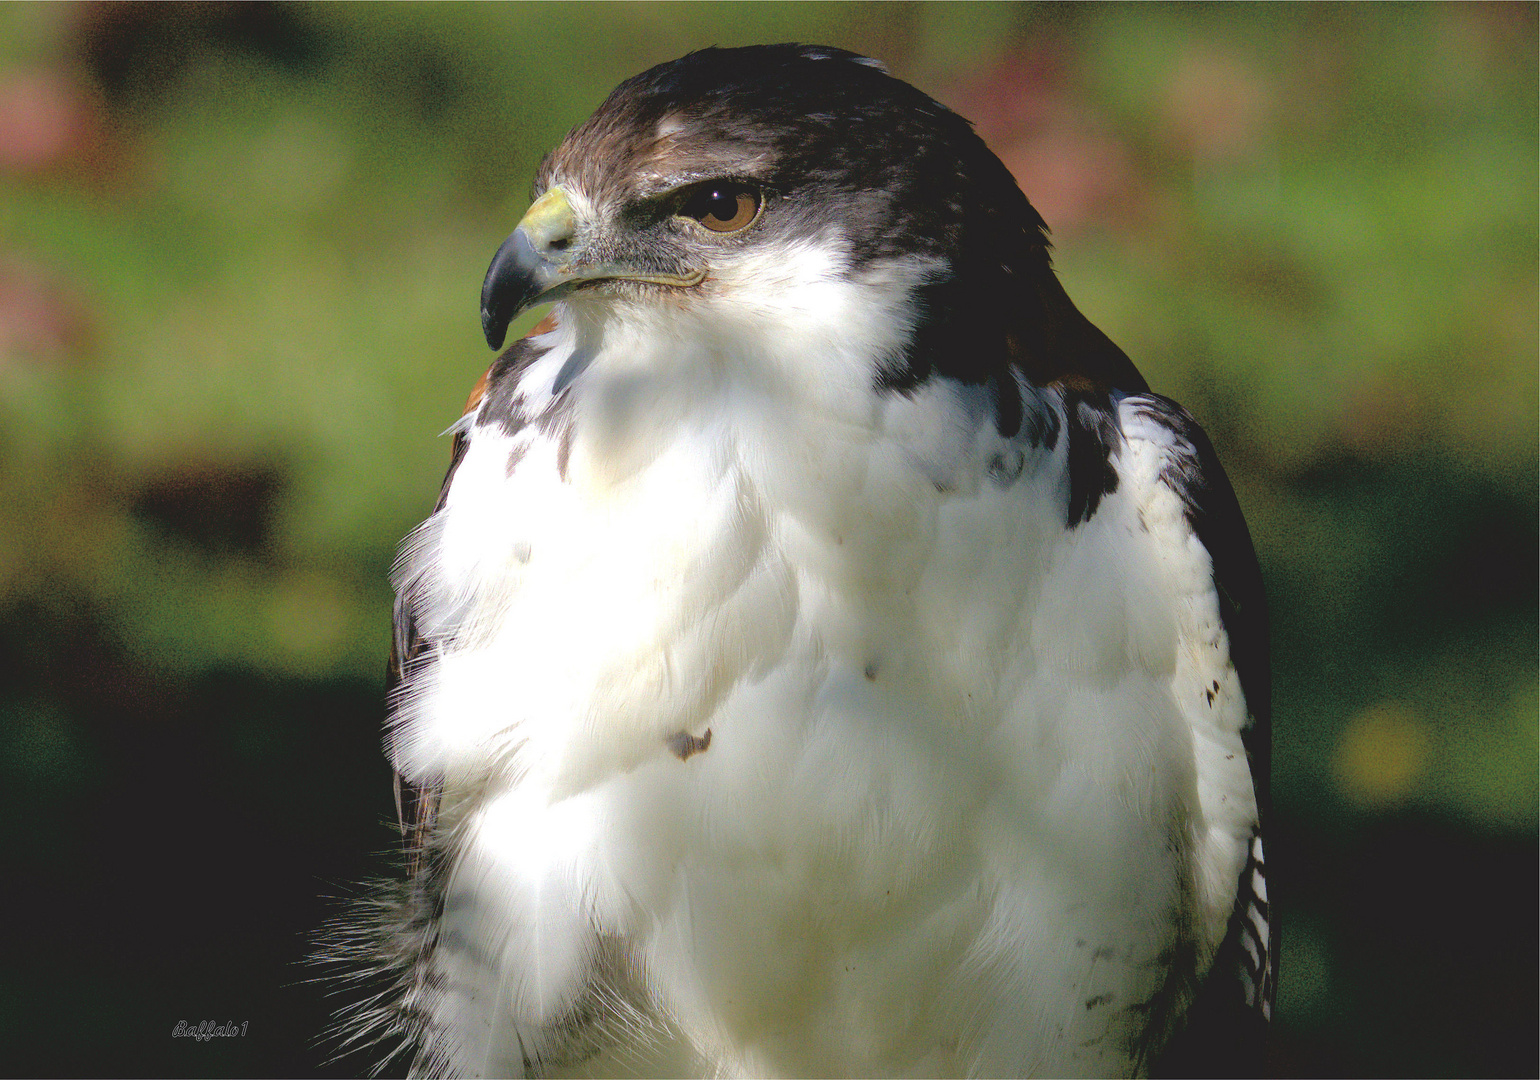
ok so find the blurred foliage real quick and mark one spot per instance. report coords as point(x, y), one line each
point(240, 254)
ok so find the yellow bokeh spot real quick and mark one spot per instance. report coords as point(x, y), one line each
point(1384, 751)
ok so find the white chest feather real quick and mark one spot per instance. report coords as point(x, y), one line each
point(961, 772)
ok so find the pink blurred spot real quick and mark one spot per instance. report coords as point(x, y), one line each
point(39, 318)
point(51, 124)
point(1060, 149)
point(1075, 177)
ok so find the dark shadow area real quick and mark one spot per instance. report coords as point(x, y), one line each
point(177, 843)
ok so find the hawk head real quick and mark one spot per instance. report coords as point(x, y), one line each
point(744, 185)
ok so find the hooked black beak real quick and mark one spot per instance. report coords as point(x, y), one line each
point(542, 261)
point(531, 265)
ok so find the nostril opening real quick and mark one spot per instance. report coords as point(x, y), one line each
point(559, 245)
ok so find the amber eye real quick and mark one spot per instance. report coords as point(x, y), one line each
point(722, 206)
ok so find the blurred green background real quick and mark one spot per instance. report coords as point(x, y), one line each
point(240, 255)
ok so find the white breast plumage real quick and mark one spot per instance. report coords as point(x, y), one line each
point(850, 763)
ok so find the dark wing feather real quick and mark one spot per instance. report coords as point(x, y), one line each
point(1224, 1030)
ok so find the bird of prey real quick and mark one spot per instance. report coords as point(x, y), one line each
point(826, 656)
